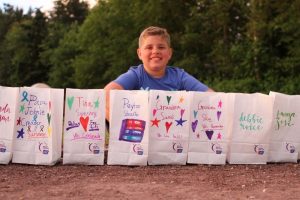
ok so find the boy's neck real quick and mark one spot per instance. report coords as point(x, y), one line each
point(155, 74)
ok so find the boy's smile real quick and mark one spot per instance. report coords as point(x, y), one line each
point(155, 54)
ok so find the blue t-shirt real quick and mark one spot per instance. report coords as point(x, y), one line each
point(137, 78)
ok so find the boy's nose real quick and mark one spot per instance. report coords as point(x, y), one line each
point(155, 49)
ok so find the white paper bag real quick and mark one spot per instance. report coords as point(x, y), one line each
point(84, 127)
point(285, 137)
point(38, 135)
point(251, 124)
point(209, 136)
point(129, 129)
point(8, 101)
point(169, 127)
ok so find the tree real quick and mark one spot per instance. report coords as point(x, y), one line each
point(64, 19)
point(212, 30)
point(22, 51)
point(69, 11)
point(8, 18)
point(105, 40)
point(62, 71)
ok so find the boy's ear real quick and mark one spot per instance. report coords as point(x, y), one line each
point(171, 52)
point(138, 51)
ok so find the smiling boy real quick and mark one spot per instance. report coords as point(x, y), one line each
point(155, 52)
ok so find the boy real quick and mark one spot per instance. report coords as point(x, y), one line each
point(155, 52)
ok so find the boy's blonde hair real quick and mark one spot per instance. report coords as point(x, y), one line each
point(154, 30)
point(40, 85)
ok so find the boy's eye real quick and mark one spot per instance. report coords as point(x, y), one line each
point(151, 47)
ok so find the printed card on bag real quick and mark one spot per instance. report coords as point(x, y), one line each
point(8, 101)
point(37, 139)
point(250, 129)
point(285, 137)
point(208, 141)
point(128, 142)
point(84, 127)
point(169, 127)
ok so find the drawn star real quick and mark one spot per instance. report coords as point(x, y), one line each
point(21, 133)
point(96, 103)
point(22, 108)
point(180, 122)
point(155, 122)
point(19, 121)
point(181, 99)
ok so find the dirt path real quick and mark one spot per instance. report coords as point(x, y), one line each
point(272, 181)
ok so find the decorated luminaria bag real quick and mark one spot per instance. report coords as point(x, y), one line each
point(169, 127)
point(38, 134)
point(129, 128)
point(285, 137)
point(84, 127)
point(209, 136)
point(8, 101)
point(250, 128)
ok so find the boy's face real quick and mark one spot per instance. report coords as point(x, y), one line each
point(155, 54)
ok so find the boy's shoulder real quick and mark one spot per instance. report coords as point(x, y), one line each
point(137, 69)
point(172, 70)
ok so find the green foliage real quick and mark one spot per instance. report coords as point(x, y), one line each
point(68, 12)
point(246, 85)
point(61, 58)
point(60, 45)
point(20, 55)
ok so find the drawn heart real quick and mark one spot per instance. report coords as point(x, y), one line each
point(84, 122)
point(168, 99)
point(219, 115)
point(154, 112)
point(70, 101)
point(195, 113)
point(168, 125)
point(209, 134)
point(194, 125)
point(219, 136)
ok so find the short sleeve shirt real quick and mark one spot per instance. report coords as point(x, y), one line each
point(136, 78)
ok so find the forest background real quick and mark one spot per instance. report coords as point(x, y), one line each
point(230, 45)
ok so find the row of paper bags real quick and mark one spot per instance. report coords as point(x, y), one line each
point(147, 127)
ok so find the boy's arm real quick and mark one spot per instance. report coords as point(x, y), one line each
point(110, 86)
point(190, 83)
point(210, 90)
